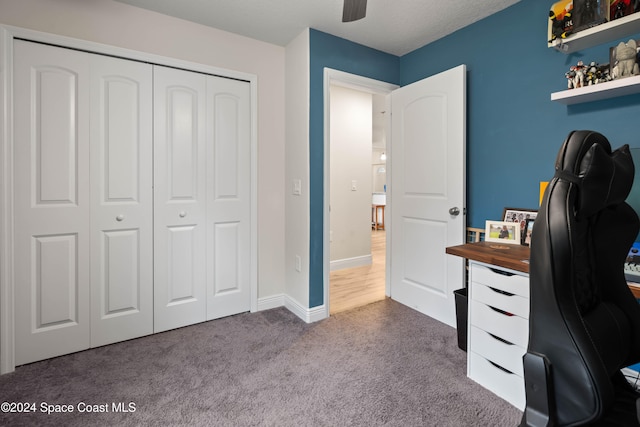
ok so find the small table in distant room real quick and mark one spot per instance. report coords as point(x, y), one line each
point(375, 224)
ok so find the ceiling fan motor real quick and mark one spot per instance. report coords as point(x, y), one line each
point(354, 10)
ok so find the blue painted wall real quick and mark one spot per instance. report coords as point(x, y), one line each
point(514, 130)
point(340, 54)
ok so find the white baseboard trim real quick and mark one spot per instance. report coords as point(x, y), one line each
point(359, 261)
point(308, 315)
point(273, 301)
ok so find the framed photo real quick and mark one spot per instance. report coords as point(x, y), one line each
point(519, 215)
point(528, 229)
point(502, 232)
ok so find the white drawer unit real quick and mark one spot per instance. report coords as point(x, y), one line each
point(498, 329)
point(505, 384)
point(505, 325)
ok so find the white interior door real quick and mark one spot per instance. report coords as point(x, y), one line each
point(122, 200)
point(179, 198)
point(428, 188)
point(51, 201)
point(228, 197)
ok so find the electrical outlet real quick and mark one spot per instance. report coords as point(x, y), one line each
point(298, 263)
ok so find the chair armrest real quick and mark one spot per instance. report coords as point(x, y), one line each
point(540, 409)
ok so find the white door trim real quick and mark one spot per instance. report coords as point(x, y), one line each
point(7, 36)
point(363, 84)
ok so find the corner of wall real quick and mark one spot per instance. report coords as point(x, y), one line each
point(297, 169)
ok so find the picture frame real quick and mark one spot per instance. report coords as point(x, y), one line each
point(502, 232)
point(528, 229)
point(519, 215)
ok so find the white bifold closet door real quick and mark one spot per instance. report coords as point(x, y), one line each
point(202, 197)
point(83, 200)
point(121, 200)
point(228, 197)
point(132, 199)
point(180, 198)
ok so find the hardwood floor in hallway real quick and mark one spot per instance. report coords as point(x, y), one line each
point(355, 287)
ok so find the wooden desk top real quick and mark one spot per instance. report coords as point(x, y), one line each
point(515, 257)
point(505, 255)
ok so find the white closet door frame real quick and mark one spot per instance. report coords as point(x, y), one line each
point(7, 36)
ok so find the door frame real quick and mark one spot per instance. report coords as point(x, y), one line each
point(363, 84)
point(7, 36)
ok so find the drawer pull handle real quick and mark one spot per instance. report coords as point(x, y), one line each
point(501, 272)
point(495, 337)
point(506, 313)
point(500, 367)
point(500, 291)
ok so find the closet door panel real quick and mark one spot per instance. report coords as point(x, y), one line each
point(179, 198)
point(228, 197)
point(51, 201)
point(122, 200)
point(183, 243)
point(54, 295)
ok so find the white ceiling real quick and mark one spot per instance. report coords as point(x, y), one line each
point(392, 26)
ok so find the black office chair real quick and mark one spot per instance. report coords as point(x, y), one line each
point(584, 321)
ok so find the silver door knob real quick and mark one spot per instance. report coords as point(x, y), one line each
point(454, 211)
point(120, 218)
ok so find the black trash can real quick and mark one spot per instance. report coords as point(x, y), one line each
point(461, 317)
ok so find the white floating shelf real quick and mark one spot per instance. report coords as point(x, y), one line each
point(614, 88)
point(599, 34)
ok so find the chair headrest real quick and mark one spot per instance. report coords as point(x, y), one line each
point(604, 178)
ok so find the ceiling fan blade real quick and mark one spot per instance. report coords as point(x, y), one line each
point(354, 10)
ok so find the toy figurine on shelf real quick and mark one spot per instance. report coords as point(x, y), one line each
point(560, 20)
point(622, 8)
point(597, 73)
point(580, 75)
point(575, 75)
point(589, 13)
point(624, 60)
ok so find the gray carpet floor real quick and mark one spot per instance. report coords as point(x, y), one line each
point(381, 364)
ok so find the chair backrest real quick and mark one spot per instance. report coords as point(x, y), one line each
point(583, 317)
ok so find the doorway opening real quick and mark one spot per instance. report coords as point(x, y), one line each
point(356, 197)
